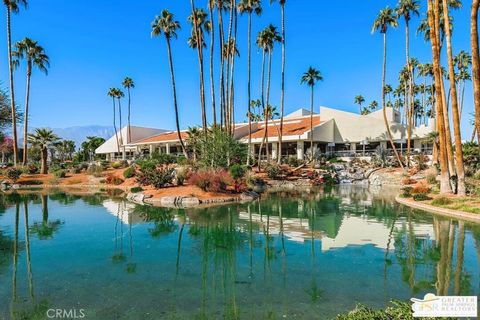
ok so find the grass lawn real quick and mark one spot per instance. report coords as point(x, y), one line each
point(466, 204)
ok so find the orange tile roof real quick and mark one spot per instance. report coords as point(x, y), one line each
point(291, 127)
point(164, 137)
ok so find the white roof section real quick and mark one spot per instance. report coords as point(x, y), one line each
point(137, 133)
point(299, 113)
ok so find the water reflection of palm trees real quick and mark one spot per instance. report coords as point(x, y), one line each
point(45, 229)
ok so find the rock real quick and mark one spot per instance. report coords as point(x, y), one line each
point(189, 202)
point(4, 185)
point(168, 201)
point(15, 186)
point(249, 196)
point(136, 197)
point(179, 201)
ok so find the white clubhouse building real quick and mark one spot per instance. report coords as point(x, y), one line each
point(336, 132)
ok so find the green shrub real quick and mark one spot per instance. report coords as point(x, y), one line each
point(147, 164)
point(294, 162)
point(129, 172)
point(32, 169)
point(431, 178)
point(136, 189)
point(421, 197)
point(117, 165)
point(406, 192)
point(237, 171)
point(274, 171)
point(13, 174)
point(163, 158)
point(95, 170)
point(60, 173)
point(442, 201)
point(158, 178)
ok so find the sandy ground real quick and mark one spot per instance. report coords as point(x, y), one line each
point(83, 179)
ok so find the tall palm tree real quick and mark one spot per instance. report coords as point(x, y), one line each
point(43, 139)
point(461, 190)
point(475, 62)
point(128, 84)
point(282, 96)
point(119, 95)
point(405, 9)
point(310, 78)
point(200, 25)
point(385, 19)
point(249, 7)
point(433, 22)
point(359, 100)
point(35, 56)
point(221, 6)
point(12, 6)
point(166, 25)
point(211, 5)
point(266, 41)
point(112, 93)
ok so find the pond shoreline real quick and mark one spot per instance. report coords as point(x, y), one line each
point(462, 215)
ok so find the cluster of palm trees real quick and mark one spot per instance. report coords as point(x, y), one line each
point(445, 108)
point(117, 95)
point(35, 57)
point(223, 37)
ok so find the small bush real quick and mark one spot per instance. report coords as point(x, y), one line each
point(117, 165)
point(111, 179)
point(406, 192)
point(211, 181)
point(76, 170)
point(274, 171)
point(421, 197)
point(163, 158)
point(237, 171)
point(147, 164)
point(95, 170)
point(421, 188)
point(13, 174)
point(294, 162)
point(181, 175)
point(442, 201)
point(432, 178)
point(136, 189)
point(129, 172)
point(60, 174)
point(158, 178)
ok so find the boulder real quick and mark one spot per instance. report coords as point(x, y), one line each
point(249, 196)
point(189, 202)
point(136, 197)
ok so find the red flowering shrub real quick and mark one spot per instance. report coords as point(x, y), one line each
point(408, 181)
point(420, 189)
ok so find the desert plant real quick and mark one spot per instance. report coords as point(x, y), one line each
point(13, 174)
point(158, 178)
point(274, 171)
point(406, 192)
point(421, 197)
point(181, 175)
point(211, 180)
point(237, 171)
point(163, 158)
point(420, 188)
point(136, 189)
point(431, 178)
point(60, 173)
point(95, 170)
point(129, 172)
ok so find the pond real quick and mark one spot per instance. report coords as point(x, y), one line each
point(302, 255)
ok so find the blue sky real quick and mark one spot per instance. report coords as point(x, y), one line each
point(94, 46)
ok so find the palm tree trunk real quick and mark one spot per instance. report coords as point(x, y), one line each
point(12, 90)
point(445, 186)
point(448, 133)
point(410, 94)
point(249, 87)
point(43, 168)
point(456, 117)
point(282, 96)
point(212, 47)
point(269, 110)
point(311, 124)
point(475, 63)
point(129, 137)
point(200, 64)
point(175, 104)
point(263, 105)
point(25, 116)
point(387, 125)
point(115, 124)
point(460, 256)
point(474, 132)
point(120, 120)
point(222, 65)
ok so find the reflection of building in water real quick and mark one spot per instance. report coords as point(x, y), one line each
point(294, 229)
point(123, 210)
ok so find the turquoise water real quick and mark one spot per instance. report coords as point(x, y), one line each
point(308, 255)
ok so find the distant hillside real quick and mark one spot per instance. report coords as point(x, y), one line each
point(78, 133)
